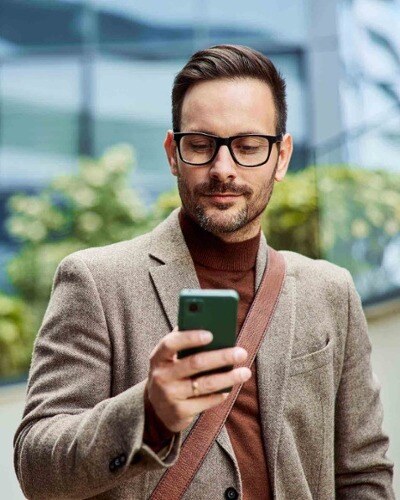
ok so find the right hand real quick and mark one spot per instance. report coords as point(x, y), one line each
point(169, 383)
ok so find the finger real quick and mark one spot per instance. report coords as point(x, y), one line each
point(209, 384)
point(204, 361)
point(178, 340)
point(194, 406)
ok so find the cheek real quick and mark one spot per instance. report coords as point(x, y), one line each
point(191, 177)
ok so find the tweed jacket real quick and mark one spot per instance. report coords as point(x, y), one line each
point(82, 430)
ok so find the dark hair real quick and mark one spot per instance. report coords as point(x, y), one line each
point(229, 61)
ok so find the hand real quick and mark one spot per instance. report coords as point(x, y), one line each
point(169, 383)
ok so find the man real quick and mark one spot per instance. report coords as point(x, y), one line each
point(109, 403)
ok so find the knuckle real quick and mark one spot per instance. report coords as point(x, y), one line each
point(196, 362)
point(195, 337)
point(190, 338)
point(227, 356)
point(165, 343)
point(158, 376)
point(208, 385)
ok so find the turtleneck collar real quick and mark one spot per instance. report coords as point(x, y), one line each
point(208, 250)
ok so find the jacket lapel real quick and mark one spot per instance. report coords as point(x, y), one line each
point(173, 268)
point(169, 280)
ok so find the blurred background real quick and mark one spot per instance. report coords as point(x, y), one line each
point(84, 106)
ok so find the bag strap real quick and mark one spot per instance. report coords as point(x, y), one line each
point(177, 478)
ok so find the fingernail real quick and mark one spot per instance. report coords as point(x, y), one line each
point(244, 374)
point(206, 337)
point(239, 354)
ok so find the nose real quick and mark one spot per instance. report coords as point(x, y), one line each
point(223, 167)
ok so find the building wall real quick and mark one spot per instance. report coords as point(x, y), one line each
point(384, 330)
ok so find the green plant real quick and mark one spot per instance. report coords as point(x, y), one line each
point(16, 335)
point(359, 215)
point(291, 221)
point(92, 207)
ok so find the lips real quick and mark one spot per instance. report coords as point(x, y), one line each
point(223, 197)
point(220, 195)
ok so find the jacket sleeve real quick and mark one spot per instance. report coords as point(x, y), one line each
point(75, 441)
point(362, 468)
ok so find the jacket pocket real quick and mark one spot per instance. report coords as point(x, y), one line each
point(307, 439)
point(312, 361)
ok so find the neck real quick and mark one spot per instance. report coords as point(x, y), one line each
point(212, 252)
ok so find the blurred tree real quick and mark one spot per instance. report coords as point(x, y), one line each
point(291, 221)
point(16, 327)
point(94, 207)
point(359, 215)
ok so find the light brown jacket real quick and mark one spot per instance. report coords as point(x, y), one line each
point(319, 401)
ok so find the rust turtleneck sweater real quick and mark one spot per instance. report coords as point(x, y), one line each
point(228, 265)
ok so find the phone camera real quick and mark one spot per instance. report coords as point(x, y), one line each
point(193, 307)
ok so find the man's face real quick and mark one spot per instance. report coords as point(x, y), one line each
point(224, 197)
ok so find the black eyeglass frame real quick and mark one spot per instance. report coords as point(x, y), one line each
point(226, 141)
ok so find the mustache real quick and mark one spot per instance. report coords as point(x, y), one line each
point(216, 187)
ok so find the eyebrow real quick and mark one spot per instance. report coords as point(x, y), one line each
point(245, 132)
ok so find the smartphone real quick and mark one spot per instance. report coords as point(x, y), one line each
point(212, 310)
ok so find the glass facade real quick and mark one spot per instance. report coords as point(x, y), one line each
point(370, 142)
point(77, 77)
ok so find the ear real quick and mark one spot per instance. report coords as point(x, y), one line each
point(171, 152)
point(285, 153)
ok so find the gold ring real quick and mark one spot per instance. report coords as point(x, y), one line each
point(195, 388)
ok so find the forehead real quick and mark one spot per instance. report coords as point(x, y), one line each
point(228, 107)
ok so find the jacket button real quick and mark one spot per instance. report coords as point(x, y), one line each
point(231, 494)
point(117, 462)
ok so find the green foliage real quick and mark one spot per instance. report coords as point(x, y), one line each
point(292, 217)
point(93, 207)
point(166, 203)
point(16, 335)
point(359, 215)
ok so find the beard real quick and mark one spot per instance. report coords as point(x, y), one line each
point(255, 204)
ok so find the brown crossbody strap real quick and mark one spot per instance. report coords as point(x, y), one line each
point(176, 479)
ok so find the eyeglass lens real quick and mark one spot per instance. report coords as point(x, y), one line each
point(248, 150)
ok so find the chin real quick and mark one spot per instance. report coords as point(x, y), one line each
point(222, 220)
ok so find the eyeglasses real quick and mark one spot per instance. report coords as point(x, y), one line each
point(250, 150)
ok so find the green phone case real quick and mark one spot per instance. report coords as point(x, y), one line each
point(212, 310)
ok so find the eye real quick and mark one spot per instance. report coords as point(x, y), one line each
point(199, 144)
point(249, 145)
